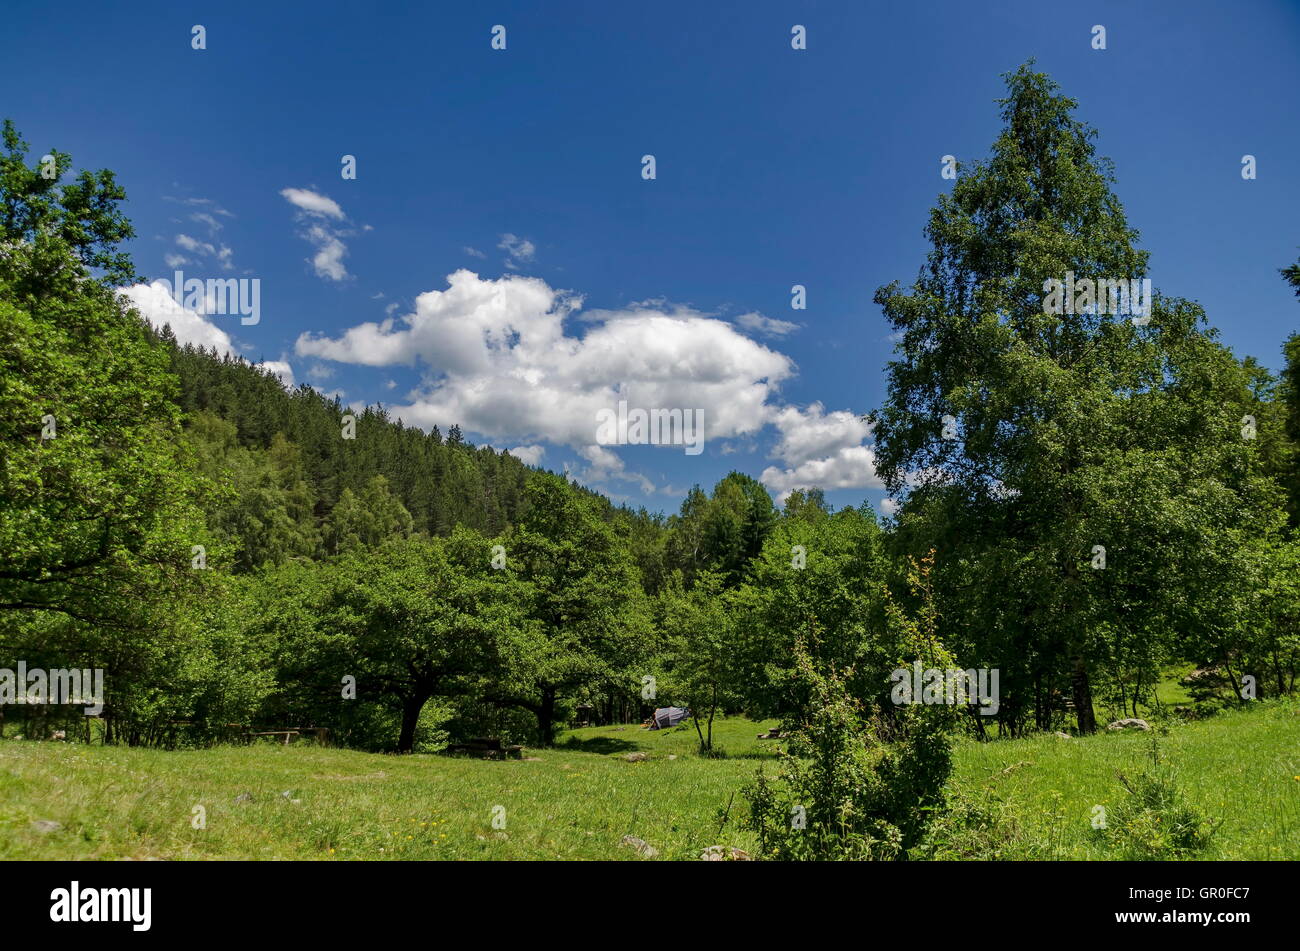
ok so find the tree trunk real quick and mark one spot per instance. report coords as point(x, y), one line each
point(1083, 695)
point(546, 718)
point(713, 706)
point(411, 707)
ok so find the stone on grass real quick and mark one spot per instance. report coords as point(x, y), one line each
point(723, 853)
point(1129, 723)
point(641, 845)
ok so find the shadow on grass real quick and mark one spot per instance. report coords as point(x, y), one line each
point(602, 745)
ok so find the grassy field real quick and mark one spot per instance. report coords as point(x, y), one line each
point(579, 800)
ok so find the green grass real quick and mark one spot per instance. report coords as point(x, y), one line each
point(1242, 767)
point(578, 800)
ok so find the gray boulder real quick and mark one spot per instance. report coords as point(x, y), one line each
point(1129, 723)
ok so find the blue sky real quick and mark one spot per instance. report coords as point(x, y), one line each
point(522, 167)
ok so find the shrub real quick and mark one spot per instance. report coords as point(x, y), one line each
point(1154, 821)
point(842, 793)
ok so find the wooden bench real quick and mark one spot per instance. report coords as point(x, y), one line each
point(486, 748)
point(284, 733)
point(319, 733)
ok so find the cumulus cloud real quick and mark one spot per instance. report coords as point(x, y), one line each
point(849, 468)
point(502, 358)
point(822, 450)
point(606, 465)
point(813, 433)
point(315, 214)
point(281, 369)
point(500, 362)
point(766, 326)
point(529, 455)
point(155, 303)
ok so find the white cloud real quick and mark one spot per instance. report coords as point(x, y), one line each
point(606, 466)
point(194, 245)
point(813, 433)
point(328, 259)
point(518, 250)
point(154, 302)
point(821, 450)
point(319, 372)
point(281, 369)
point(500, 362)
point(206, 215)
point(767, 326)
point(848, 468)
point(888, 506)
point(223, 254)
point(313, 203)
point(315, 211)
point(204, 202)
point(529, 455)
point(473, 252)
point(202, 217)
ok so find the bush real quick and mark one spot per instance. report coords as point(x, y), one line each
point(1154, 821)
point(970, 828)
point(842, 794)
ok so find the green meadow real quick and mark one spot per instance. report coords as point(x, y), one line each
point(578, 800)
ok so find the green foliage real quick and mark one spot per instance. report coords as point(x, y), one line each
point(1070, 431)
point(700, 671)
point(411, 620)
point(820, 579)
point(842, 793)
point(1286, 460)
point(80, 218)
point(971, 827)
point(863, 779)
point(365, 520)
point(585, 617)
point(99, 501)
point(723, 532)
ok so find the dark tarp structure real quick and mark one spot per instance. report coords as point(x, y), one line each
point(669, 716)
